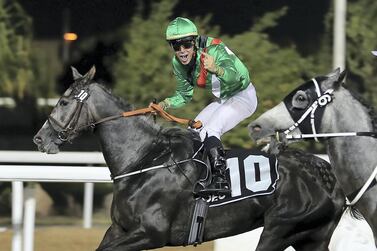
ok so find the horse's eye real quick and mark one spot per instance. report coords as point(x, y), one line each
point(63, 103)
point(301, 98)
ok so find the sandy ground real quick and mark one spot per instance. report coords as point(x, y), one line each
point(76, 239)
point(350, 235)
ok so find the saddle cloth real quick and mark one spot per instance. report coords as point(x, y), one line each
point(251, 173)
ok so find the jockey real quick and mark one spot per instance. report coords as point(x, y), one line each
point(208, 63)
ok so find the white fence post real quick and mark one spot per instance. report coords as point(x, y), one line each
point(21, 171)
point(29, 217)
point(339, 43)
point(88, 205)
point(17, 206)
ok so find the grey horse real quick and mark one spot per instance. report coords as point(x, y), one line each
point(331, 108)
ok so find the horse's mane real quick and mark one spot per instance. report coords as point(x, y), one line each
point(118, 100)
point(322, 173)
point(82, 84)
point(371, 112)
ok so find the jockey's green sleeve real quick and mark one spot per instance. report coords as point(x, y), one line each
point(234, 79)
point(184, 90)
point(236, 76)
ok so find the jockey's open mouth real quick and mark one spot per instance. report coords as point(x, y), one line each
point(184, 57)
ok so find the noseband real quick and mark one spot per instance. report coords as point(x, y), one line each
point(322, 99)
point(70, 127)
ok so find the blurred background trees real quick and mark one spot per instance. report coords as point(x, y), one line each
point(361, 39)
point(15, 50)
point(283, 43)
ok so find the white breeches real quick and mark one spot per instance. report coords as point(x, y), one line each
point(222, 115)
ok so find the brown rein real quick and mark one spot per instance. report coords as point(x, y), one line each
point(156, 109)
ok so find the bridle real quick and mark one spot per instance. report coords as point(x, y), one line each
point(64, 131)
point(315, 110)
point(322, 99)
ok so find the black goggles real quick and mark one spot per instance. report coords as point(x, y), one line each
point(186, 43)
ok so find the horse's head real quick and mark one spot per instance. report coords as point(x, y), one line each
point(69, 116)
point(301, 111)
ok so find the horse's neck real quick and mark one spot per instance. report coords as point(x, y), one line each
point(123, 139)
point(346, 114)
point(352, 157)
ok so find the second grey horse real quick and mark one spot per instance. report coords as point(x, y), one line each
point(331, 108)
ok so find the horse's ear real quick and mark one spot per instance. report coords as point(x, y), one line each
point(342, 76)
point(75, 73)
point(334, 74)
point(90, 74)
point(333, 80)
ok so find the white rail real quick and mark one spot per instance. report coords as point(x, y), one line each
point(50, 173)
point(91, 158)
point(18, 168)
point(10, 102)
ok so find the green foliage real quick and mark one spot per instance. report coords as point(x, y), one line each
point(15, 72)
point(269, 20)
point(361, 40)
point(142, 70)
point(45, 66)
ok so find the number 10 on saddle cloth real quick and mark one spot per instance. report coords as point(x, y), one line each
point(251, 173)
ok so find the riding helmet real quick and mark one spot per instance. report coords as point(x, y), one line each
point(181, 27)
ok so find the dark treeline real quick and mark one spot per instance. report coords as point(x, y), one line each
point(282, 43)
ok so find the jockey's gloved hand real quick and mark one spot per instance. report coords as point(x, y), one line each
point(163, 105)
point(210, 65)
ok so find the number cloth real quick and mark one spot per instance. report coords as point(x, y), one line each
point(251, 173)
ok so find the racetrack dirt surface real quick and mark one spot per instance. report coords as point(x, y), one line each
point(75, 238)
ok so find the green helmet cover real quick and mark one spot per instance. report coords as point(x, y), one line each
point(179, 28)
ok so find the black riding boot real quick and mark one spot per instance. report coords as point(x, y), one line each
point(219, 184)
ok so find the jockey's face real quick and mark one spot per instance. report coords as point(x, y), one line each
point(184, 50)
